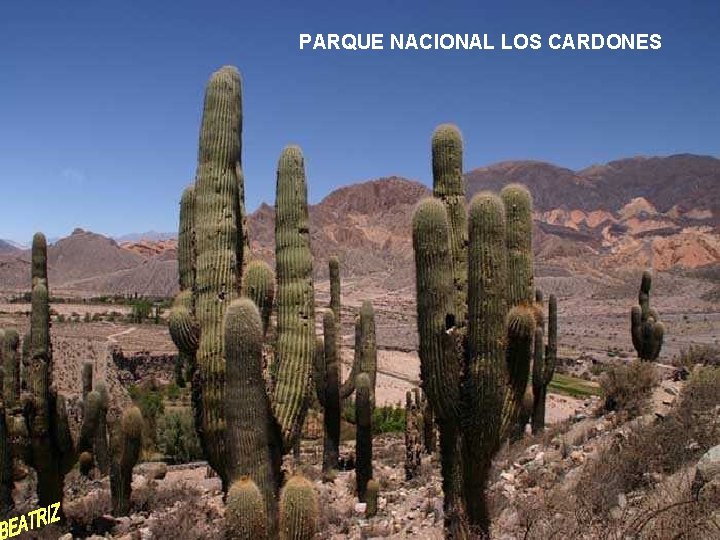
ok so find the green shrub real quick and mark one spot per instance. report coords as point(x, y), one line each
point(626, 387)
point(177, 438)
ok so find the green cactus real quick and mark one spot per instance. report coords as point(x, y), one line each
point(518, 210)
point(10, 367)
point(186, 239)
point(371, 498)
point(329, 393)
point(474, 368)
point(6, 467)
point(449, 187)
point(544, 362)
point(212, 283)
point(295, 296)
point(50, 450)
point(126, 443)
point(218, 234)
point(101, 451)
point(363, 433)
point(645, 327)
point(299, 510)
point(87, 379)
point(245, 515)
point(334, 273)
point(258, 284)
point(249, 436)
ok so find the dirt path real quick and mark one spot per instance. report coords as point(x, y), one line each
point(111, 337)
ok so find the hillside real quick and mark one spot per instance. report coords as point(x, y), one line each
point(627, 214)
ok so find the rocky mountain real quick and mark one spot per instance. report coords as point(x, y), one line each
point(631, 213)
point(8, 247)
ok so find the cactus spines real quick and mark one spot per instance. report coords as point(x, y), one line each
point(126, 443)
point(449, 187)
point(245, 515)
point(85, 463)
point(363, 433)
point(10, 367)
point(247, 409)
point(475, 358)
point(544, 362)
point(299, 510)
point(330, 399)
point(645, 327)
point(371, 498)
point(258, 284)
point(295, 296)
point(518, 208)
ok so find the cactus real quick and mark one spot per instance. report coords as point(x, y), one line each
point(363, 433)
point(645, 327)
point(413, 437)
point(328, 392)
point(87, 379)
point(518, 211)
point(249, 436)
point(50, 450)
point(298, 510)
point(126, 442)
point(101, 452)
point(86, 463)
point(10, 367)
point(371, 498)
point(258, 284)
point(6, 467)
point(474, 369)
point(202, 322)
point(544, 361)
point(245, 514)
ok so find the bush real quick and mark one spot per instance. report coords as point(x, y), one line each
point(703, 354)
point(177, 438)
point(390, 419)
point(150, 403)
point(627, 387)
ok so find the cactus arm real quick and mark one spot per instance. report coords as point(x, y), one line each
point(295, 297)
point(259, 284)
point(518, 209)
point(331, 405)
point(186, 240)
point(363, 433)
point(448, 186)
point(11, 367)
point(247, 408)
point(436, 316)
point(126, 442)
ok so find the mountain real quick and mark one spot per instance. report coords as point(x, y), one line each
point(626, 214)
point(6, 246)
point(150, 236)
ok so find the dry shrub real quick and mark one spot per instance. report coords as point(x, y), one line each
point(703, 354)
point(627, 387)
point(193, 519)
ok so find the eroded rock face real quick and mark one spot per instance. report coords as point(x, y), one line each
point(706, 484)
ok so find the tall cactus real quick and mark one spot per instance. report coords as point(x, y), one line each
point(645, 327)
point(228, 383)
point(544, 362)
point(51, 450)
point(126, 442)
point(475, 368)
point(363, 433)
point(328, 391)
point(413, 437)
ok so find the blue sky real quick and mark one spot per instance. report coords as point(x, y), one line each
point(100, 100)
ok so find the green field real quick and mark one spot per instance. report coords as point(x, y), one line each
point(572, 386)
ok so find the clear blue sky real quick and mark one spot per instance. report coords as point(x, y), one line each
point(100, 100)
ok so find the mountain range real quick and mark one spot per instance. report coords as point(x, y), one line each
point(660, 212)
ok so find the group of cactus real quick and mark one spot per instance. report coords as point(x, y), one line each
point(645, 327)
point(34, 424)
point(476, 322)
point(250, 384)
